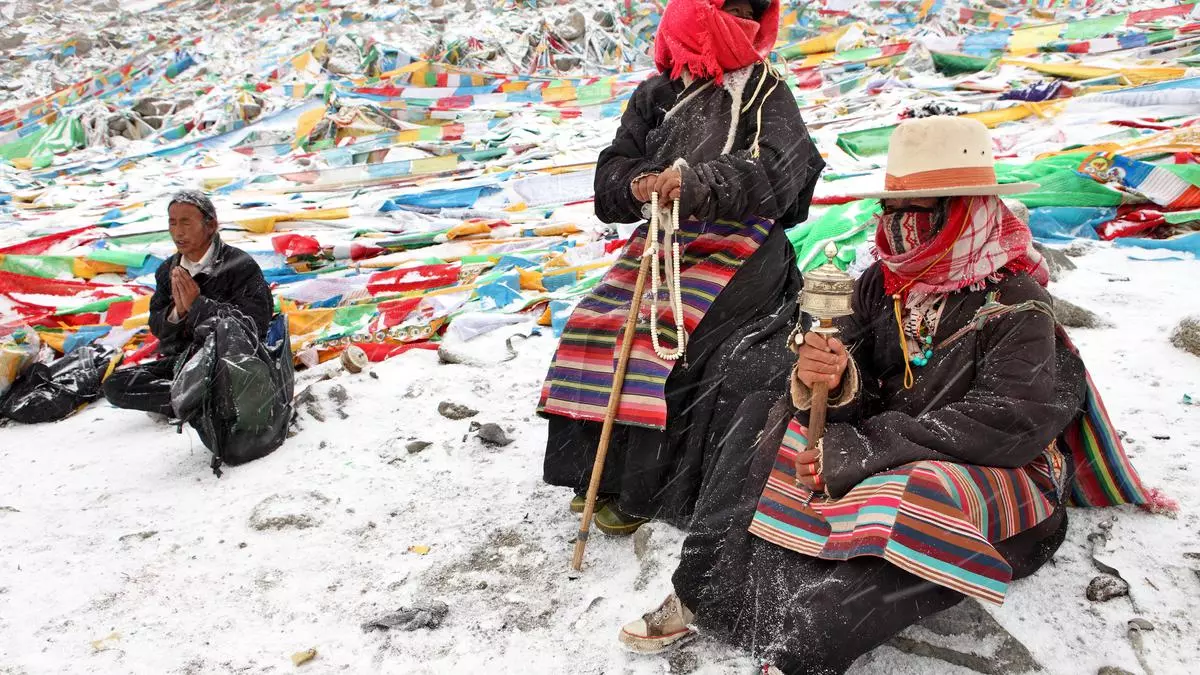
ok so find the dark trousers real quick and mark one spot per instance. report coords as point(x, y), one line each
point(146, 387)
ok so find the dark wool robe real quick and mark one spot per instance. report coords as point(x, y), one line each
point(740, 344)
point(994, 397)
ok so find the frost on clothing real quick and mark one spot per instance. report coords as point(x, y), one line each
point(233, 280)
point(742, 184)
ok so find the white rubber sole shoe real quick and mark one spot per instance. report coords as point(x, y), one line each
point(659, 630)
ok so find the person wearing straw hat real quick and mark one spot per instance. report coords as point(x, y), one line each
point(960, 423)
point(717, 136)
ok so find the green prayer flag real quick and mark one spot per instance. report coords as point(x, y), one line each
point(960, 64)
point(118, 257)
point(846, 225)
point(1090, 29)
point(866, 143)
point(43, 266)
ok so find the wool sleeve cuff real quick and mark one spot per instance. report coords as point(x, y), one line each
point(802, 395)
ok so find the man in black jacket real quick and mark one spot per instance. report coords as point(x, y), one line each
point(206, 277)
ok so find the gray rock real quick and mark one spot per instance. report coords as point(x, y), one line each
point(417, 446)
point(137, 536)
point(493, 434)
point(1105, 587)
point(307, 401)
point(1138, 623)
point(299, 510)
point(1187, 335)
point(641, 541)
point(604, 19)
point(567, 62)
point(12, 41)
point(1056, 260)
point(996, 651)
point(1112, 670)
point(1074, 316)
point(455, 411)
point(339, 396)
point(1078, 249)
point(423, 615)
point(683, 662)
point(1019, 210)
point(573, 27)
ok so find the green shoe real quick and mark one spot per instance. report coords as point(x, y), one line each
point(611, 521)
point(580, 501)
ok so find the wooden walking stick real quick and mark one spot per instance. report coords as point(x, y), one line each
point(614, 396)
point(826, 296)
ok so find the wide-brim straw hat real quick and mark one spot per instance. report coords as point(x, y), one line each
point(942, 156)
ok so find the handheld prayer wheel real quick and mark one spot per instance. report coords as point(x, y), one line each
point(826, 296)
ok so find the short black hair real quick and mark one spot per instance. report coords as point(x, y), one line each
point(760, 7)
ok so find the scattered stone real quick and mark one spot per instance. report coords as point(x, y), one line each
point(423, 615)
point(1193, 555)
point(9, 509)
point(307, 401)
point(1078, 249)
point(1187, 335)
point(493, 434)
point(1074, 316)
point(301, 658)
point(573, 27)
point(289, 510)
point(242, 545)
point(12, 41)
point(994, 650)
point(338, 394)
point(604, 19)
point(1105, 587)
point(641, 541)
point(1056, 260)
point(1139, 623)
point(417, 446)
point(683, 662)
point(373, 375)
point(455, 411)
point(137, 536)
point(1112, 670)
point(567, 61)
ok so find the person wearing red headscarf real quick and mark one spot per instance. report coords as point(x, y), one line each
point(717, 136)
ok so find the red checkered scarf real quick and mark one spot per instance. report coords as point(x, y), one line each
point(980, 240)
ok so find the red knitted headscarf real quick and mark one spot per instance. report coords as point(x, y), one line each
point(697, 35)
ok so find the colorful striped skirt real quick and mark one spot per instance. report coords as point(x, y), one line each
point(937, 520)
point(581, 374)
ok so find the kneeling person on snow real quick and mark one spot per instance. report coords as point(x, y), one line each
point(961, 422)
point(203, 279)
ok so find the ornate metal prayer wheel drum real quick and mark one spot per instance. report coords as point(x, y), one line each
point(827, 293)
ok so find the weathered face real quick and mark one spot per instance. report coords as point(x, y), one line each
point(190, 230)
point(901, 205)
point(739, 8)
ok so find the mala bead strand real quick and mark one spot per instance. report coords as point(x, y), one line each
point(674, 296)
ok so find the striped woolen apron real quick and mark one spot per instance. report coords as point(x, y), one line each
point(936, 520)
point(580, 378)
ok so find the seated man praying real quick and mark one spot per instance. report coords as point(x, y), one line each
point(203, 278)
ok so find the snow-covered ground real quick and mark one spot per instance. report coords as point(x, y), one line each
point(121, 553)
